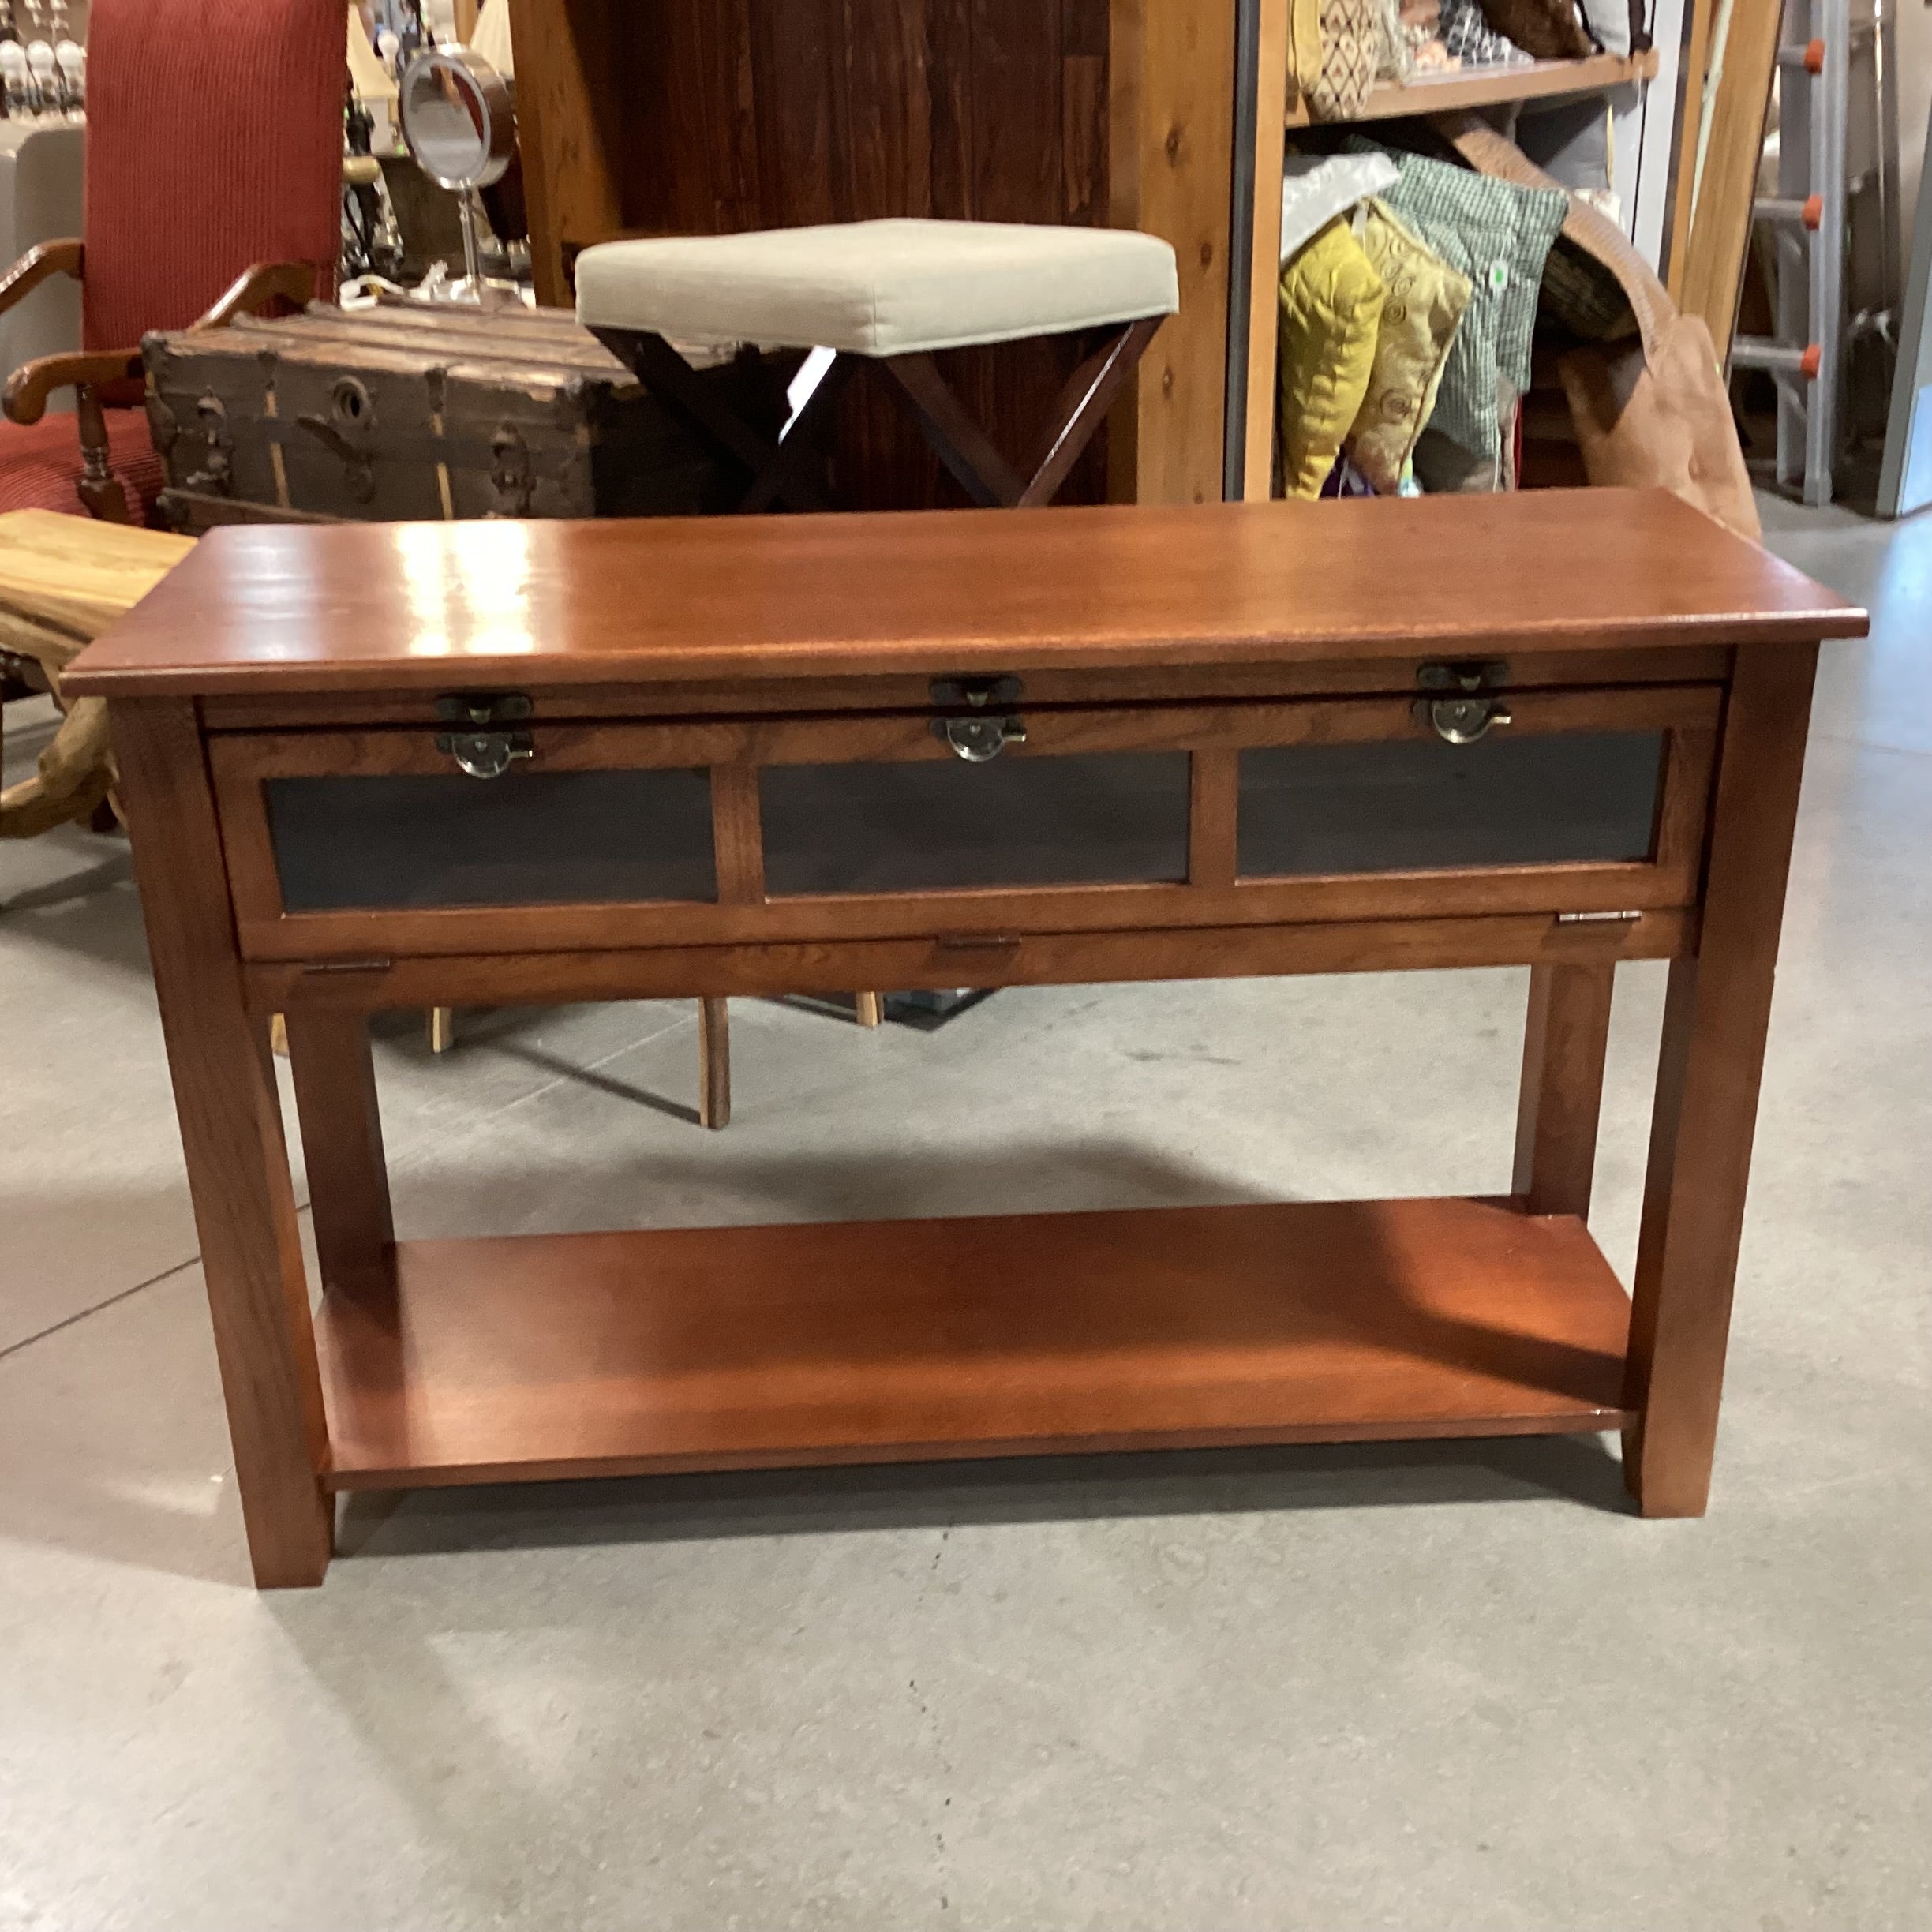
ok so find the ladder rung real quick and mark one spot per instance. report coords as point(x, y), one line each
point(1760, 352)
point(1806, 214)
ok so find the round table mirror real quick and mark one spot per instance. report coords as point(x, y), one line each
point(456, 118)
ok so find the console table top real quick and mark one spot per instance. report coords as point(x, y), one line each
point(426, 606)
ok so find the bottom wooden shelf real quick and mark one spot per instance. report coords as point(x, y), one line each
point(717, 1348)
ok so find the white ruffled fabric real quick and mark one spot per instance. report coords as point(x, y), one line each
point(1317, 188)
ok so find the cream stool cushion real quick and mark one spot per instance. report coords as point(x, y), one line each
point(877, 288)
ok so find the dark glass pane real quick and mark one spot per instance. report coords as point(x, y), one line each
point(1100, 817)
point(1416, 804)
point(529, 838)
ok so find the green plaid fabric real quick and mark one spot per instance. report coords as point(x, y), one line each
point(1499, 236)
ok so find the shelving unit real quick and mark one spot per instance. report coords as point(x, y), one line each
point(1489, 87)
point(1278, 109)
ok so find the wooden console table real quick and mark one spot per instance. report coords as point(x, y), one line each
point(762, 755)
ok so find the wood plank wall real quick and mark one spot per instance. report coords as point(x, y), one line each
point(712, 116)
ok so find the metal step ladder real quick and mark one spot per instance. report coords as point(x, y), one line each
point(1810, 223)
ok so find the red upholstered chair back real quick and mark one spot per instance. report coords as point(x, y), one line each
point(214, 141)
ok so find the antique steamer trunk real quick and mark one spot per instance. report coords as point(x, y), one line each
point(407, 412)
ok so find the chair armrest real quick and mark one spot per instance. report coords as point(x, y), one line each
point(25, 398)
point(254, 288)
point(48, 259)
point(29, 386)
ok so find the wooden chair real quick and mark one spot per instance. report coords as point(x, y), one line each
point(882, 297)
point(214, 145)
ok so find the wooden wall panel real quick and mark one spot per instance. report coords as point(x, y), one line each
point(1171, 122)
point(714, 116)
point(570, 126)
point(1084, 108)
point(1271, 61)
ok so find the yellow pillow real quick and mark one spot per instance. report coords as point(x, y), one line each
point(1331, 302)
point(1425, 301)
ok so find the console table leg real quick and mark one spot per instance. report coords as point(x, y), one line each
point(1564, 1040)
point(230, 1118)
point(341, 1144)
point(1716, 1014)
point(714, 1063)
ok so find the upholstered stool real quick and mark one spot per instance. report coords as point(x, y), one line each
point(885, 295)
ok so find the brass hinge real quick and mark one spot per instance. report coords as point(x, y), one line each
point(977, 693)
point(1468, 675)
point(482, 710)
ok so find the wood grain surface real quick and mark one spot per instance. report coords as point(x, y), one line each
point(522, 604)
point(564, 1355)
point(230, 1120)
point(876, 738)
point(335, 1079)
point(1716, 1015)
point(1275, 88)
point(1055, 916)
point(1720, 235)
point(1565, 1036)
point(1171, 138)
point(76, 575)
point(375, 983)
point(1528, 670)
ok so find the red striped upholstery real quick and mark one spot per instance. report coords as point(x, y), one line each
point(214, 142)
point(40, 463)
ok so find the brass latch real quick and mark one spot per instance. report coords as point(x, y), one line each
point(979, 740)
point(1466, 716)
point(1461, 721)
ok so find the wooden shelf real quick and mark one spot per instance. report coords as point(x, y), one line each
point(713, 1348)
point(1485, 87)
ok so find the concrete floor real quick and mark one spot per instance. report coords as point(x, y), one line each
point(1445, 1687)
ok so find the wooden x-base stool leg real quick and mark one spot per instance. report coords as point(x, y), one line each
point(785, 472)
point(972, 461)
point(778, 473)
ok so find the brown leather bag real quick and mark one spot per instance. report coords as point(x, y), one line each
point(1546, 29)
point(1646, 410)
